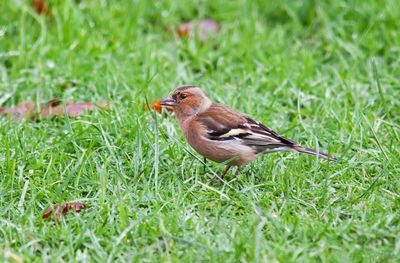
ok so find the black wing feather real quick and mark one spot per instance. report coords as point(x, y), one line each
point(225, 124)
point(234, 126)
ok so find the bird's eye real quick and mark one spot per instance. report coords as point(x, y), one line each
point(183, 96)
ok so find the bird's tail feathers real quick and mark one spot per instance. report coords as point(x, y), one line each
point(316, 153)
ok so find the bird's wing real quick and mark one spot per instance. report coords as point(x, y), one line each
point(225, 124)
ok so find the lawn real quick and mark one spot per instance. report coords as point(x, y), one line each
point(324, 73)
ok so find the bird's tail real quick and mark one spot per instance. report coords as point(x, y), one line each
point(316, 153)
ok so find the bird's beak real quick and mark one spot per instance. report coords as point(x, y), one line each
point(168, 102)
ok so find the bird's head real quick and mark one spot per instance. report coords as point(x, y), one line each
point(187, 101)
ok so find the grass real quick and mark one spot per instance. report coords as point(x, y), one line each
point(323, 73)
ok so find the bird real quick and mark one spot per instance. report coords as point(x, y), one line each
point(224, 135)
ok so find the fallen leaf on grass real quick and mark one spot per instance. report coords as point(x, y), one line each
point(41, 7)
point(76, 109)
point(54, 107)
point(203, 29)
point(22, 110)
point(63, 209)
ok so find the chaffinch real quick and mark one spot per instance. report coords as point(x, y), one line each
point(223, 135)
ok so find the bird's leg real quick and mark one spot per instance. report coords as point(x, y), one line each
point(204, 165)
point(238, 171)
point(225, 171)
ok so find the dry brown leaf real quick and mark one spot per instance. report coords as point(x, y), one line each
point(77, 206)
point(63, 209)
point(54, 107)
point(77, 109)
point(48, 212)
point(203, 29)
point(22, 110)
point(41, 7)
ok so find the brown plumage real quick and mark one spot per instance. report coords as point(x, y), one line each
point(221, 134)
